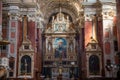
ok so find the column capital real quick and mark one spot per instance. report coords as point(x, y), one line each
point(108, 10)
point(14, 12)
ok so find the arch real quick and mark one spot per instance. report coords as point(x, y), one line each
point(64, 10)
point(94, 65)
point(25, 66)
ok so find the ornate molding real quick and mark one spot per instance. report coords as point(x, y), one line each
point(109, 13)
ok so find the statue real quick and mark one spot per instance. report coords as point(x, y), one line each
point(49, 46)
point(60, 71)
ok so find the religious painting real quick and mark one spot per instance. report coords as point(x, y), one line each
point(25, 65)
point(60, 27)
point(60, 48)
point(94, 65)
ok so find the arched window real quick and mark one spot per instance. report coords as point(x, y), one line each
point(94, 65)
point(25, 65)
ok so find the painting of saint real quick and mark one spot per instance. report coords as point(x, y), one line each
point(60, 47)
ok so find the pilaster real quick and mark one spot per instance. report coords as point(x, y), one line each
point(93, 27)
point(108, 13)
point(13, 34)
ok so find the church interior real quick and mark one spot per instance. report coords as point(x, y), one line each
point(59, 39)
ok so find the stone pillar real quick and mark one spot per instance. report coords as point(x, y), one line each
point(13, 35)
point(108, 11)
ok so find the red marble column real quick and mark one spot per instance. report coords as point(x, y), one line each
point(87, 36)
point(118, 23)
point(100, 33)
point(31, 29)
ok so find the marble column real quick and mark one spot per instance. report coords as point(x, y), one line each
point(108, 37)
point(13, 34)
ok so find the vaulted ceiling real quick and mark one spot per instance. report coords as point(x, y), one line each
point(50, 7)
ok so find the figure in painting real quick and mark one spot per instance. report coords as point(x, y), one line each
point(60, 49)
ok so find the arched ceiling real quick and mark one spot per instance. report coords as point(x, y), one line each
point(50, 7)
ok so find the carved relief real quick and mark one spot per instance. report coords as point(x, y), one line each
point(108, 14)
point(60, 24)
